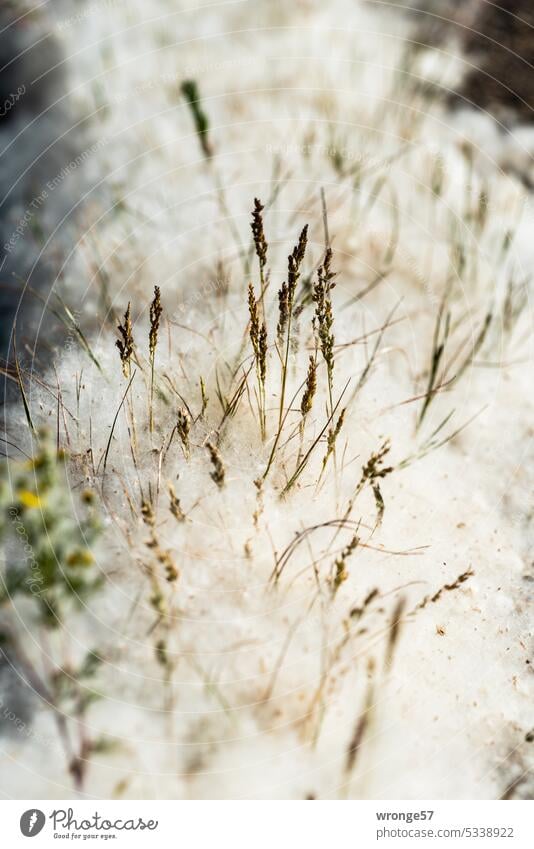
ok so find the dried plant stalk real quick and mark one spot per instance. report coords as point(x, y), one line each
point(340, 566)
point(218, 473)
point(373, 471)
point(331, 439)
point(446, 588)
point(155, 316)
point(306, 403)
point(260, 243)
point(183, 427)
point(175, 506)
point(323, 319)
point(147, 512)
point(203, 396)
point(258, 338)
point(126, 343)
point(310, 388)
point(286, 297)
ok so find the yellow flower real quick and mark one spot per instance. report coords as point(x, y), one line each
point(29, 499)
point(80, 557)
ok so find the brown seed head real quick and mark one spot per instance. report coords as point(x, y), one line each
point(258, 233)
point(283, 313)
point(218, 472)
point(294, 262)
point(258, 335)
point(310, 388)
point(254, 331)
point(126, 343)
point(323, 319)
point(183, 426)
point(155, 315)
point(175, 506)
point(147, 512)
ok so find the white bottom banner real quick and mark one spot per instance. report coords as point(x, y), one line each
point(268, 825)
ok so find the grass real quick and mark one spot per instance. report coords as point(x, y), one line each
point(288, 380)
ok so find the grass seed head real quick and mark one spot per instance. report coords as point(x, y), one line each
point(310, 388)
point(324, 319)
point(333, 433)
point(258, 233)
point(340, 566)
point(147, 512)
point(286, 293)
point(126, 343)
point(331, 438)
point(294, 262)
point(258, 336)
point(171, 571)
point(183, 427)
point(174, 505)
point(155, 316)
point(218, 473)
point(374, 469)
point(203, 396)
point(283, 313)
point(254, 327)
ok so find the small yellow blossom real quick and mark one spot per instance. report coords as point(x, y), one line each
point(29, 499)
point(80, 557)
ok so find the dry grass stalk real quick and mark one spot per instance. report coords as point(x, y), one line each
point(203, 396)
point(441, 335)
point(373, 471)
point(475, 348)
point(183, 427)
point(323, 319)
point(310, 388)
point(21, 384)
point(105, 456)
point(357, 612)
point(147, 512)
point(258, 338)
point(174, 505)
point(126, 350)
point(331, 440)
point(157, 599)
point(340, 566)
point(126, 343)
point(394, 631)
point(286, 297)
point(165, 558)
point(303, 460)
point(260, 242)
point(283, 314)
point(155, 316)
point(218, 473)
point(286, 294)
point(446, 588)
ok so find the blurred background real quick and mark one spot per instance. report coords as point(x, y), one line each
point(40, 133)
